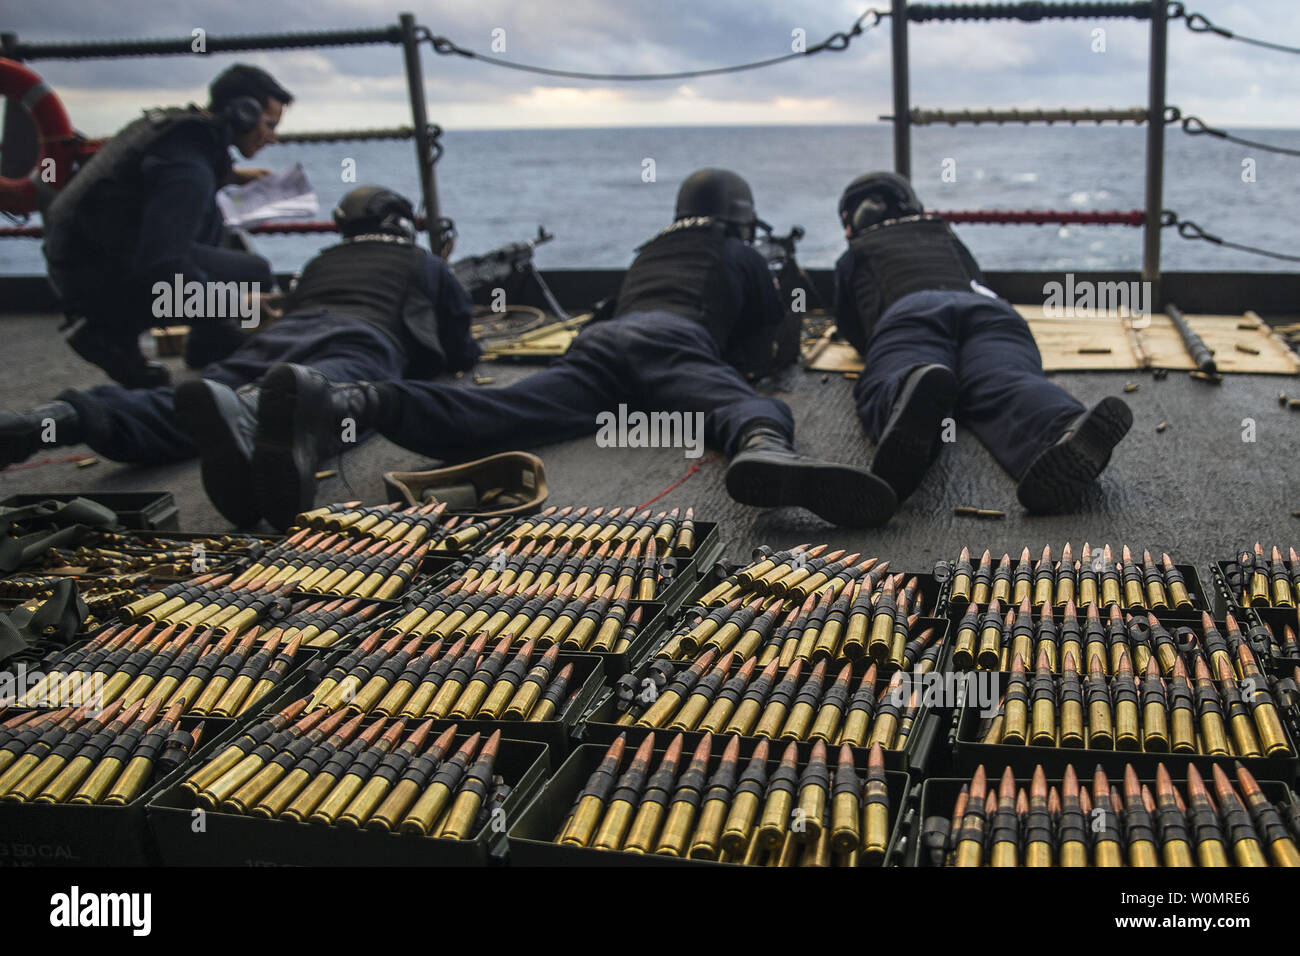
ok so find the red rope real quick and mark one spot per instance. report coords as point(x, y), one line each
point(1042, 217)
point(1035, 217)
point(689, 471)
point(284, 226)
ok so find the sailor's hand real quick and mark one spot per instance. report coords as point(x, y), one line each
point(241, 177)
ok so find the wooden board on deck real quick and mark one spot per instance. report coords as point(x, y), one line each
point(1222, 334)
point(1117, 344)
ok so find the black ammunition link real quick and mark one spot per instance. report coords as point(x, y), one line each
point(936, 836)
point(1171, 824)
point(555, 693)
point(311, 762)
point(1137, 823)
point(811, 692)
point(690, 786)
point(1153, 692)
point(120, 749)
point(849, 783)
point(291, 756)
point(1038, 826)
point(1180, 696)
point(783, 779)
point(1097, 690)
point(70, 744)
point(339, 762)
point(1123, 690)
point(1042, 687)
point(1236, 821)
point(393, 765)
point(1268, 822)
point(1204, 823)
point(152, 744)
point(1006, 826)
point(864, 699)
point(176, 750)
point(1109, 831)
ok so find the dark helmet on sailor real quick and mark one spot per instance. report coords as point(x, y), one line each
point(719, 194)
point(875, 197)
point(374, 209)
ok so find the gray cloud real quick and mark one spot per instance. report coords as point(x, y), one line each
point(953, 65)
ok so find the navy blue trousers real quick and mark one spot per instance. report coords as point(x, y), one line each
point(652, 361)
point(1002, 393)
point(140, 426)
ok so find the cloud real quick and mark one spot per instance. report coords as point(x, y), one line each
point(996, 64)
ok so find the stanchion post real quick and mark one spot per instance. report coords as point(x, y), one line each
point(423, 143)
point(1155, 150)
point(902, 94)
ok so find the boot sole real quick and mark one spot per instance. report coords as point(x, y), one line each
point(148, 375)
point(225, 469)
point(907, 445)
point(1059, 477)
point(284, 463)
point(844, 496)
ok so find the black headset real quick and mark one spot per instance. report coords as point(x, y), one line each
point(382, 209)
point(243, 113)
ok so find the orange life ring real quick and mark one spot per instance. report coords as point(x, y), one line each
point(57, 138)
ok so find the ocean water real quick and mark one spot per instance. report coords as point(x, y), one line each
point(590, 188)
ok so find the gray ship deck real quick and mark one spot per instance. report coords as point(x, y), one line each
point(1196, 490)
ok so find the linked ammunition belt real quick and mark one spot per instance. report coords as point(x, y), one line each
point(462, 681)
point(1144, 712)
point(760, 812)
point(1144, 823)
point(722, 696)
point(576, 596)
point(991, 639)
point(91, 756)
point(1096, 578)
point(1284, 647)
point(1256, 581)
point(353, 771)
point(173, 666)
point(798, 606)
point(669, 532)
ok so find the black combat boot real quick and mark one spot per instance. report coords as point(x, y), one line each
point(767, 472)
point(910, 441)
point(118, 354)
point(23, 434)
point(302, 418)
point(223, 422)
point(1058, 478)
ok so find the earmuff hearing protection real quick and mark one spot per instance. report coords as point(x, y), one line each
point(243, 113)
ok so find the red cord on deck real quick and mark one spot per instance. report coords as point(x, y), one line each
point(689, 471)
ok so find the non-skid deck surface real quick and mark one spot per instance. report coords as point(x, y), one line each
point(1197, 490)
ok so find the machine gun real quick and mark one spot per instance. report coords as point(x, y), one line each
point(779, 251)
point(506, 265)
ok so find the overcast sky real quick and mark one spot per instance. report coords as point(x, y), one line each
point(953, 66)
